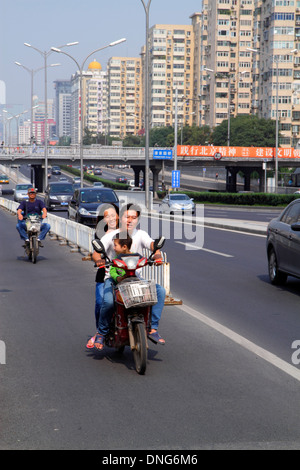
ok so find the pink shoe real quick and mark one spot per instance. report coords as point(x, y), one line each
point(91, 342)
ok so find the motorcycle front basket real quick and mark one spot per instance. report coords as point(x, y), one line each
point(138, 293)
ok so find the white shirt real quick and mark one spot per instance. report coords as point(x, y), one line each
point(140, 240)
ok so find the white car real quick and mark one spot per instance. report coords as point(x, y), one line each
point(21, 192)
point(178, 203)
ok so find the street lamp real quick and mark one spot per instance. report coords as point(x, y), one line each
point(80, 68)
point(45, 55)
point(147, 110)
point(32, 72)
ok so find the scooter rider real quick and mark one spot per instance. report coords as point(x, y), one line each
point(32, 206)
point(129, 219)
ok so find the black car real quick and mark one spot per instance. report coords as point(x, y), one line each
point(86, 201)
point(58, 195)
point(56, 170)
point(283, 244)
point(97, 171)
point(121, 179)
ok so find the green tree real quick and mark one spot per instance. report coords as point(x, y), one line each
point(246, 131)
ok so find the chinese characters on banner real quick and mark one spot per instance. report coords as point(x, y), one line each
point(235, 152)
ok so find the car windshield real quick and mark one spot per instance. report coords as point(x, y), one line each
point(179, 197)
point(23, 187)
point(98, 196)
point(62, 188)
point(3, 177)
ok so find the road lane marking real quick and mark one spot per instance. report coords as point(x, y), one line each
point(189, 245)
point(245, 343)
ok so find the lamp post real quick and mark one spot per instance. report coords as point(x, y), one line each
point(32, 72)
point(80, 68)
point(45, 55)
point(147, 110)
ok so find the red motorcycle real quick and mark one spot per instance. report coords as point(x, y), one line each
point(133, 299)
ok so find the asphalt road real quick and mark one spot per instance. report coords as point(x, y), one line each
point(203, 390)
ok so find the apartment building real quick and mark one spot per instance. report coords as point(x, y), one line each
point(171, 70)
point(276, 66)
point(125, 96)
point(63, 107)
point(227, 74)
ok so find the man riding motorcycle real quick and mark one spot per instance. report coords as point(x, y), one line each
point(32, 206)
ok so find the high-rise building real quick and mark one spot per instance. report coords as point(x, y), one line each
point(63, 107)
point(125, 95)
point(89, 111)
point(171, 71)
point(228, 62)
point(276, 71)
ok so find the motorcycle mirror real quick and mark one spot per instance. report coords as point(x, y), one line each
point(159, 243)
point(98, 246)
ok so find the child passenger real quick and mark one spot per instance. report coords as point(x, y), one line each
point(122, 245)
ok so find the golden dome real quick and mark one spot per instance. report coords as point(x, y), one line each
point(95, 66)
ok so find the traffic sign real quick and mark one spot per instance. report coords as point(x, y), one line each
point(175, 179)
point(162, 154)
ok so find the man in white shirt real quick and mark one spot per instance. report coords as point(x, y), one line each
point(129, 219)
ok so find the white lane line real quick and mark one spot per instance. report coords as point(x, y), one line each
point(194, 247)
point(245, 343)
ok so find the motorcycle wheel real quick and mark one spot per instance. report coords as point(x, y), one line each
point(34, 249)
point(140, 351)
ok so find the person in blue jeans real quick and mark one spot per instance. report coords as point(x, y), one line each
point(107, 221)
point(129, 219)
point(32, 206)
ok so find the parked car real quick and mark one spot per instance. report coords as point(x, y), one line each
point(283, 244)
point(121, 179)
point(85, 202)
point(56, 170)
point(21, 192)
point(177, 203)
point(97, 171)
point(58, 195)
point(4, 179)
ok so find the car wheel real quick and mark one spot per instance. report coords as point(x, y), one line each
point(276, 276)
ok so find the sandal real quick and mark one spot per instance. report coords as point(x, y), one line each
point(91, 342)
point(156, 338)
point(99, 342)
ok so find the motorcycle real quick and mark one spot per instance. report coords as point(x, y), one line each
point(133, 299)
point(33, 226)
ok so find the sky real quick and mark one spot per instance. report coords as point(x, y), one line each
point(94, 23)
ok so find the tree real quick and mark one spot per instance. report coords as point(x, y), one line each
point(246, 131)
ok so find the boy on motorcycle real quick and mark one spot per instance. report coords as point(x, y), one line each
point(122, 246)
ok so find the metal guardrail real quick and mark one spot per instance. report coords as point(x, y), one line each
point(81, 236)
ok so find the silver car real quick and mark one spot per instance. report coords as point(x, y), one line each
point(177, 202)
point(283, 244)
point(21, 192)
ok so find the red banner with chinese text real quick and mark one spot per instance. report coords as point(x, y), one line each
point(235, 152)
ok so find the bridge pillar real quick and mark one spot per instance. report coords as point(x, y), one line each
point(39, 177)
point(155, 173)
point(137, 170)
point(231, 179)
point(247, 178)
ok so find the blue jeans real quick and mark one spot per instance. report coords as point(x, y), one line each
point(99, 299)
point(21, 227)
point(107, 307)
